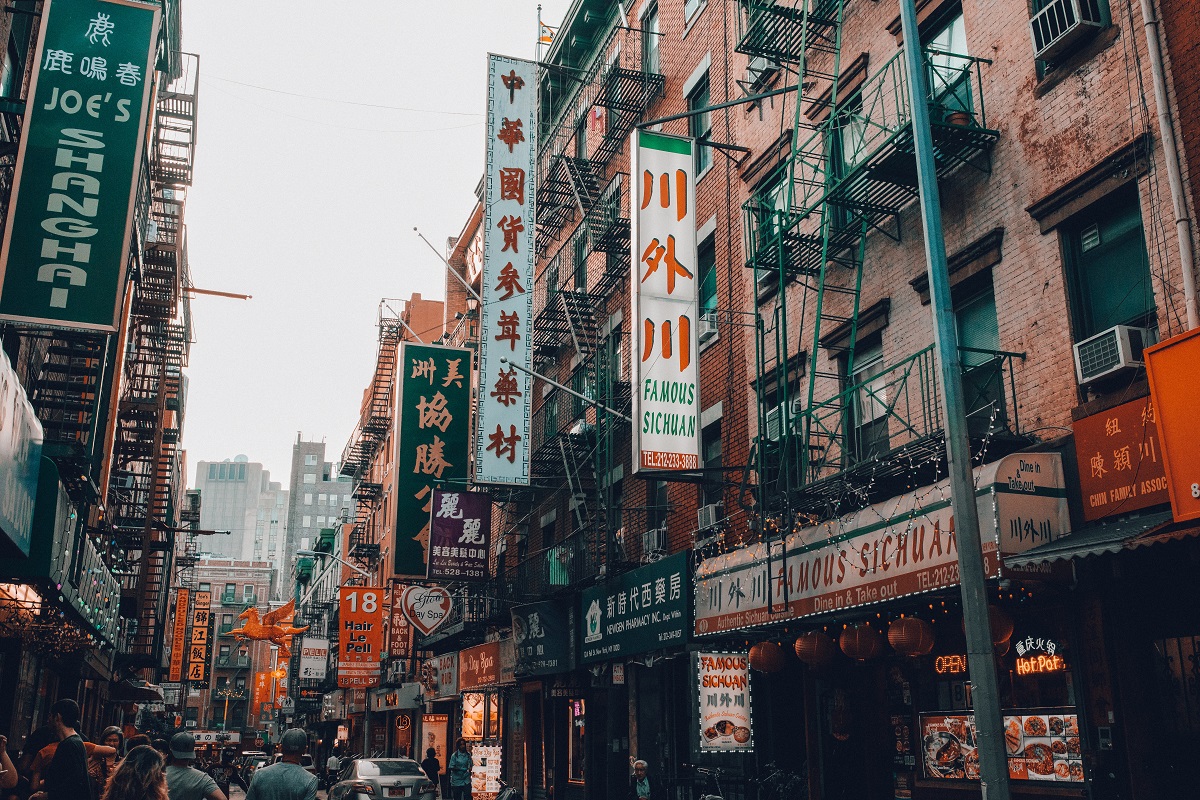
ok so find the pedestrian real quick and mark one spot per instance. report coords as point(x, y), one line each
point(137, 741)
point(42, 760)
point(140, 776)
point(66, 778)
point(286, 779)
point(8, 772)
point(459, 768)
point(102, 766)
point(333, 765)
point(639, 783)
point(431, 765)
point(185, 782)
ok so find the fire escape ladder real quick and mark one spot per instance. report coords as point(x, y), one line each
point(581, 316)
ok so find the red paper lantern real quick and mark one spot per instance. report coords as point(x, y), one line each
point(861, 642)
point(1001, 624)
point(815, 649)
point(766, 657)
point(910, 636)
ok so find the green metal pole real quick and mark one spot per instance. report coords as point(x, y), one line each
point(985, 695)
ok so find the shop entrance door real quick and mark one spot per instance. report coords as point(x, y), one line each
point(534, 746)
point(1177, 679)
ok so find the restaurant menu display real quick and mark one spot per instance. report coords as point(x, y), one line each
point(1041, 746)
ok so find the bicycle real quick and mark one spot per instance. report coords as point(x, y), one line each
point(711, 774)
point(781, 784)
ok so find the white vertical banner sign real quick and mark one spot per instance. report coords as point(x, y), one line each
point(314, 657)
point(664, 285)
point(506, 314)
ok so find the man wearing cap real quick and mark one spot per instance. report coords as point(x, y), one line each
point(185, 782)
point(287, 779)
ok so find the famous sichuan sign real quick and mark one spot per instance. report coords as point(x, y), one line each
point(274, 627)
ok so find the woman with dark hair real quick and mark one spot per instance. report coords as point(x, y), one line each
point(459, 768)
point(139, 777)
point(101, 767)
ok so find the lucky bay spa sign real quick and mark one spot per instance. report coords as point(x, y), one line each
point(901, 546)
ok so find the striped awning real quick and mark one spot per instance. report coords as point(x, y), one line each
point(1114, 536)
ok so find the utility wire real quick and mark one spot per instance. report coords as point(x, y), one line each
point(345, 102)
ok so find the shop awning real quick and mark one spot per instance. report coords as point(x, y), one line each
point(1110, 537)
point(134, 691)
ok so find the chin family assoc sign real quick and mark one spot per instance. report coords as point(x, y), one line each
point(65, 252)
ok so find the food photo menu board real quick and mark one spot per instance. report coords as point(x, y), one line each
point(1042, 745)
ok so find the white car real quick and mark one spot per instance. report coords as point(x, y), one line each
point(306, 761)
point(376, 778)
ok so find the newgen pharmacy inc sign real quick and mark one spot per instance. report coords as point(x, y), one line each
point(66, 243)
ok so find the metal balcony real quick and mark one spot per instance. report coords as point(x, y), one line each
point(776, 29)
point(233, 662)
point(558, 569)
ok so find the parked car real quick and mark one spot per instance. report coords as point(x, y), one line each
point(375, 778)
point(306, 761)
point(252, 760)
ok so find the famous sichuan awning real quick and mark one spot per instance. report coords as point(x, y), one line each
point(1107, 537)
point(905, 545)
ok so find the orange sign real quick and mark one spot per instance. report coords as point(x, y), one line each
point(281, 683)
point(1033, 665)
point(179, 636)
point(360, 636)
point(1171, 367)
point(479, 666)
point(200, 646)
point(1120, 460)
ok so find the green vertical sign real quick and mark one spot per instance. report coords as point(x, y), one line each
point(433, 431)
point(66, 242)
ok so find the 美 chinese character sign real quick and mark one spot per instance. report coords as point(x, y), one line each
point(458, 536)
point(432, 440)
point(506, 314)
point(724, 683)
point(66, 242)
point(664, 287)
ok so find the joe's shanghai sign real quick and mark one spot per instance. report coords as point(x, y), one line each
point(66, 242)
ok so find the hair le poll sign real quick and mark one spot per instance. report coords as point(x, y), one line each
point(66, 242)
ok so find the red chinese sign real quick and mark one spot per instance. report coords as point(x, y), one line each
point(1120, 460)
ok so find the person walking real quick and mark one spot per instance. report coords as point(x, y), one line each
point(67, 776)
point(459, 768)
point(185, 782)
point(8, 772)
point(140, 776)
point(102, 765)
point(333, 765)
point(432, 766)
point(639, 783)
point(286, 779)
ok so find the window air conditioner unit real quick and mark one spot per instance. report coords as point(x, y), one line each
point(1110, 353)
point(775, 420)
point(708, 516)
point(759, 71)
point(1062, 24)
point(654, 543)
point(708, 325)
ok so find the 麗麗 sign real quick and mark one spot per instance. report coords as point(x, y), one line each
point(664, 287)
point(459, 532)
point(66, 243)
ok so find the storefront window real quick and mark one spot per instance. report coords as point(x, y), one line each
point(480, 716)
point(575, 742)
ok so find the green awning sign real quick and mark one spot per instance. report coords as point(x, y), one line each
point(66, 241)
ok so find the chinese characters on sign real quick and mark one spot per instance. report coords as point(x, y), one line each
point(502, 422)
point(66, 242)
point(200, 641)
point(179, 635)
point(314, 657)
point(400, 631)
point(360, 636)
point(544, 637)
point(1120, 460)
point(433, 433)
point(642, 610)
point(664, 287)
point(458, 536)
point(725, 723)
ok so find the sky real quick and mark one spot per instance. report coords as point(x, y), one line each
point(305, 196)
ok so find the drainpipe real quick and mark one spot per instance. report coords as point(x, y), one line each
point(1171, 156)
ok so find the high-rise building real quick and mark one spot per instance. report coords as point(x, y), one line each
point(239, 496)
point(320, 498)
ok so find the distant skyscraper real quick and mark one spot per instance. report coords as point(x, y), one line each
point(239, 496)
point(318, 496)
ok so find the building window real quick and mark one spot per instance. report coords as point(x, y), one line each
point(308, 498)
point(248, 591)
point(579, 258)
point(320, 522)
point(868, 410)
point(575, 741)
point(949, 68)
point(321, 498)
point(230, 589)
point(712, 490)
point(690, 7)
point(212, 472)
point(706, 264)
point(223, 472)
point(227, 620)
point(650, 41)
point(306, 521)
point(310, 477)
point(205, 587)
point(581, 136)
point(581, 381)
point(700, 125)
point(983, 374)
point(310, 459)
point(657, 504)
point(1108, 269)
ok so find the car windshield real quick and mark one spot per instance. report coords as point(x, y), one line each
point(372, 769)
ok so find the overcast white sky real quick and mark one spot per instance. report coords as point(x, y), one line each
point(309, 204)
